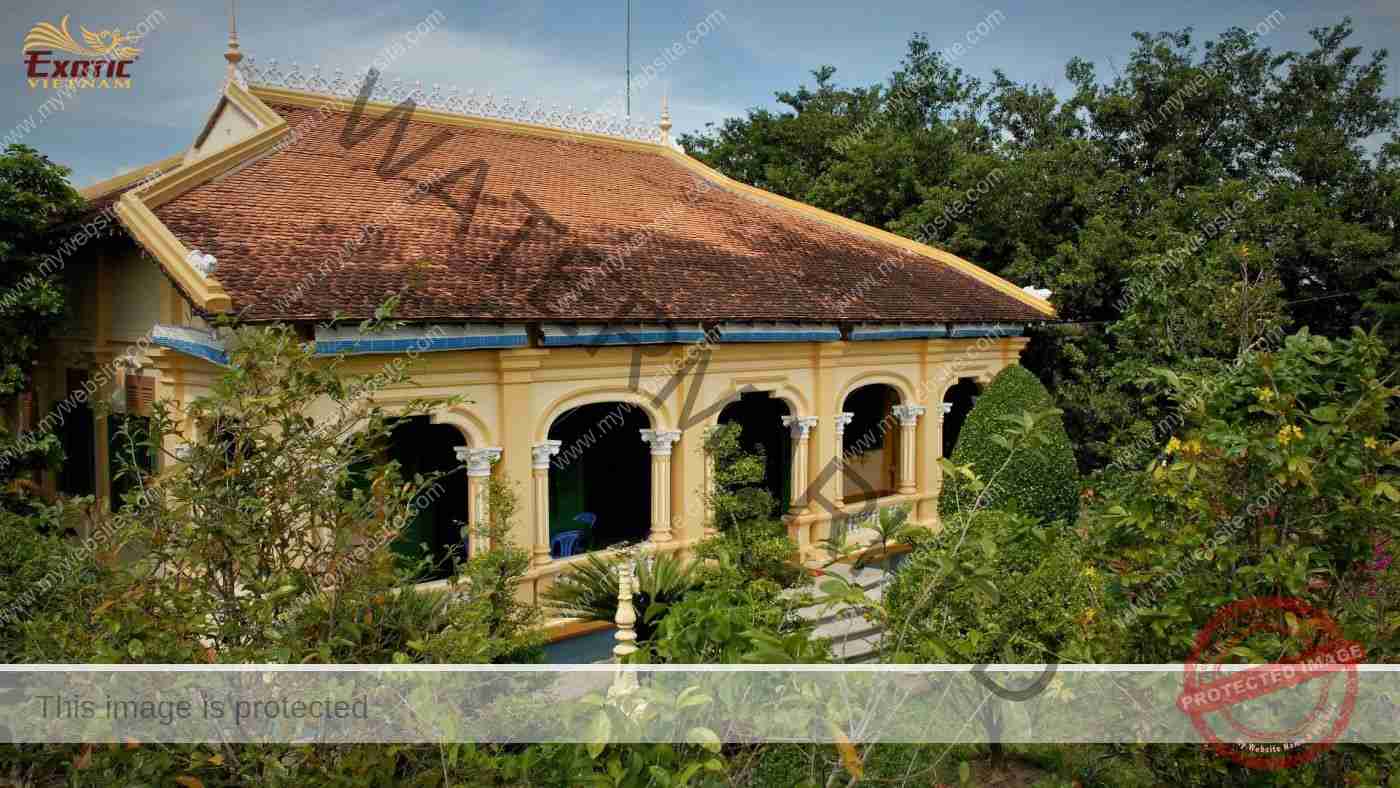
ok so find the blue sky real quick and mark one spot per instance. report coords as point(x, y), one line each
point(571, 53)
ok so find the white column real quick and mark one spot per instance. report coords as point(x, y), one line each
point(479, 462)
point(908, 416)
point(661, 442)
point(801, 429)
point(841, 420)
point(541, 454)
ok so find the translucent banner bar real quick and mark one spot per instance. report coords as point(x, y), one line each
point(1292, 705)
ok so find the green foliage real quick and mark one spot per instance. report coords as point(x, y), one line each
point(589, 589)
point(1016, 443)
point(749, 536)
point(731, 624)
point(1281, 482)
point(254, 544)
point(35, 202)
point(1204, 194)
point(997, 587)
point(736, 497)
point(45, 572)
point(760, 550)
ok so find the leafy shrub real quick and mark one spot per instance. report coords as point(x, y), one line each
point(727, 625)
point(1281, 481)
point(1035, 477)
point(588, 590)
point(749, 537)
point(996, 587)
point(45, 572)
point(760, 551)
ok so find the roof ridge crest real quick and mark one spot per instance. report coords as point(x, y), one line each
point(252, 72)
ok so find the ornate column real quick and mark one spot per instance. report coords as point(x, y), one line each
point(661, 442)
point(801, 429)
point(841, 420)
point(479, 462)
point(539, 464)
point(908, 416)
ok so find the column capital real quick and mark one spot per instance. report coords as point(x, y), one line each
point(908, 415)
point(947, 407)
point(841, 420)
point(479, 461)
point(661, 441)
point(541, 452)
point(801, 426)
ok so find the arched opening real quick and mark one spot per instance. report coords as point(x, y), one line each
point(440, 508)
point(760, 416)
point(600, 481)
point(870, 443)
point(958, 403)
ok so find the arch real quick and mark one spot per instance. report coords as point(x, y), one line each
point(600, 482)
point(784, 392)
point(659, 417)
point(872, 442)
point(474, 430)
point(422, 445)
point(898, 382)
point(959, 397)
point(759, 415)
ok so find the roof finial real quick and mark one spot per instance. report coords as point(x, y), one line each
point(233, 55)
point(666, 115)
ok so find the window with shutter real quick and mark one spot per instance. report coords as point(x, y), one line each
point(140, 394)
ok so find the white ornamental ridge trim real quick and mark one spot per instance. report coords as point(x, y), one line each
point(269, 74)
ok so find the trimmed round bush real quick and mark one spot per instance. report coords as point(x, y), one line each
point(1041, 480)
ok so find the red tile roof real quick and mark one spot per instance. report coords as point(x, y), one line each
point(625, 232)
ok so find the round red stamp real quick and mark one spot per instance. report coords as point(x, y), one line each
point(1275, 715)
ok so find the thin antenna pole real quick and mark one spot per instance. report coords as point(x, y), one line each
point(629, 58)
point(232, 55)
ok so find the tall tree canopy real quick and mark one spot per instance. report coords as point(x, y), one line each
point(1205, 200)
point(35, 200)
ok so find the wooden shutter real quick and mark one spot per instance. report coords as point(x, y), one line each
point(140, 394)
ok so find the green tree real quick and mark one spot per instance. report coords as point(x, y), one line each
point(1282, 482)
point(1206, 197)
point(36, 202)
point(1035, 477)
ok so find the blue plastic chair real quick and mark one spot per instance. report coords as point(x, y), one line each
point(566, 543)
point(588, 519)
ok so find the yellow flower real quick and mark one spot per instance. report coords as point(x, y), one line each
point(1089, 571)
point(1264, 393)
point(1192, 446)
point(1173, 445)
point(1370, 442)
point(1289, 433)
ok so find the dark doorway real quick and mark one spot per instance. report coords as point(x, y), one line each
point(870, 443)
point(961, 397)
point(760, 417)
point(600, 482)
point(435, 532)
point(78, 476)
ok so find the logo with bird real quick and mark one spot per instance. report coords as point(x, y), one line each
point(109, 44)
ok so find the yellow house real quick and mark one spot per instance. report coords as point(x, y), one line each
point(598, 298)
